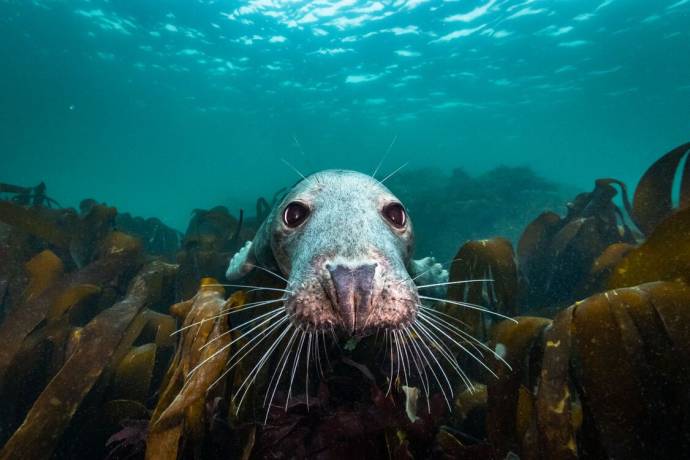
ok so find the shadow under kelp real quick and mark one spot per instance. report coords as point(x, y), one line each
point(447, 209)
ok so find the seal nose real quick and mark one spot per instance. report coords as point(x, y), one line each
point(353, 288)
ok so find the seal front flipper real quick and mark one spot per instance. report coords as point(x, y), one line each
point(427, 271)
point(255, 253)
point(241, 263)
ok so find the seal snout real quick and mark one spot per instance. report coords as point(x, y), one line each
point(353, 288)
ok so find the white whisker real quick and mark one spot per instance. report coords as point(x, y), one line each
point(263, 335)
point(284, 360)
point(254, 288)
point(447, 283)
point(295, 364)
point(471, 306)
point(269, 271)
point(296, 170)
point(259, 365)
point(385, 155)
point(464, 334)
point(440, 346)
point(392, 174)
point(273, 313)
point(476, 358)
point(224, 347)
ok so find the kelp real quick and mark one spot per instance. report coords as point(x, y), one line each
point(612, 380)
point(665, 255)
point(506, 417)
point(158, 238)
point(556, 254)
point(120, 256)
point(96, 371)
point(483, 273)
point(28, 196)
point(54, 408)
point(196, 368)
point(212, 237)
point(653, 201)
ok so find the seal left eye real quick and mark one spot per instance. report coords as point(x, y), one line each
point(395, 214)
point(295, 213)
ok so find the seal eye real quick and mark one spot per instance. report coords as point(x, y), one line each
point(295, 213)
point(395, 214)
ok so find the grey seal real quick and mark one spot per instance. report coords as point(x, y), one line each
point(344, 243)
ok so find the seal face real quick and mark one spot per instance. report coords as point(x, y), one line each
point(344, 242)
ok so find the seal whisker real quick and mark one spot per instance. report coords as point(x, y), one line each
point(325, 349)
point(390, 346)
point(306, 379)
point(466, 335)
point(475, 357)
point(406, 359)
point(463, 335)
point(421, 371)
point(438, 345)
point(284, 359)
point(403, 343)
point(317, 354)
point(224, 347)
point(296, 170)
point(273, 313)
point(250, 306)
point(269, 271)
point(401, 354)
point(224, 313)
point(259, 365)
point(393, 173)
point(446, 283)
point(385, 155)
point(442, 345)
point(433, 310)
point(263, 335)
point(397, 358)
point(295, 364)
point(470, 305)
point(427, 271)
point(431, 367)
point(255, 288)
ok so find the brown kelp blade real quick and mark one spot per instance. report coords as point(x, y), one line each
point(653, 196)
point(664, 256)
point(505, 415)
point(119, 258)
point(613, 379)
point(492, 261)
point(54, 408)
point(197, 366)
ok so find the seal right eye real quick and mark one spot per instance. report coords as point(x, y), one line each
point(295, 213)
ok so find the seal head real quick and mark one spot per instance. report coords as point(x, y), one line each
point(344, 242)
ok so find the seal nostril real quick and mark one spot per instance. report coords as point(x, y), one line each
point(353, 288)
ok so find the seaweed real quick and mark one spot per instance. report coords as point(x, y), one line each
point(556, 254)
point(483, 273)
point(653, 201)
point(197, 366)
point(51, 413)
point(92, 366)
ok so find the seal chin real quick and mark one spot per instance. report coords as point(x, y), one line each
point(355, 299)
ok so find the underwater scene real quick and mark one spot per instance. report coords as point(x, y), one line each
point(393, 229)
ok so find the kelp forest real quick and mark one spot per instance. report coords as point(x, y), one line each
point(120, 341)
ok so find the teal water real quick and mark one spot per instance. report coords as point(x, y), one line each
point(160, 107)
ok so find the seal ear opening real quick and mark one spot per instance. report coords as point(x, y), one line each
point(241, 263)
